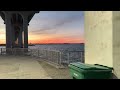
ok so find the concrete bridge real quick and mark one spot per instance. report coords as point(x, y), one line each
point(17, 27)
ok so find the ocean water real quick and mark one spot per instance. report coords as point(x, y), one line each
point(58, 47)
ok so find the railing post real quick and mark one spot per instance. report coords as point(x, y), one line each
point(57, 57)
point(48, 55)
point(68, 57)
point(31, 53)
point(60, 59)
point(1, 51)
point(15, 52)
point(38, 52)
point(81, 56)
point(51, 55)
point(45, 54)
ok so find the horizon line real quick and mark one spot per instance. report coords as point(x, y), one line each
point(51, 43)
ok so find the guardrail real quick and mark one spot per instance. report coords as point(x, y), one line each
point(52, 56)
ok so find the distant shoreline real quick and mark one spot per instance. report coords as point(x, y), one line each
point(47, 44)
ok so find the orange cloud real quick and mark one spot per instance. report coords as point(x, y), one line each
point(51, 38)
point(54, 38)
point(57, 40)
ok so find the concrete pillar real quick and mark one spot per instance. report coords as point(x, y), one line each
point(102, 39)
point(25, 29)
point(20, 40)
point(8, 30)
point(116, 43)
point(98, 37)
point(13, 36)
point(25, 19)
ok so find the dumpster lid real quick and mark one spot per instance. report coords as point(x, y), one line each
point(89, 66)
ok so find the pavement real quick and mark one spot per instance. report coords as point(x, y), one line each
point(21, 67)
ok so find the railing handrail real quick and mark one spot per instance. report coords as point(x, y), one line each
point(54, 56)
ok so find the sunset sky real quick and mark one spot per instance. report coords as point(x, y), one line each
point(53, 27)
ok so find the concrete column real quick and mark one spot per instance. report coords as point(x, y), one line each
point(20, 40)
point(13, 36)
point(116, 43)
point(25, 29)
point(99, 37)
point(102, 39)
point(8, 30)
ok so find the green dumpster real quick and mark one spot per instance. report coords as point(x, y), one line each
point(88, 71)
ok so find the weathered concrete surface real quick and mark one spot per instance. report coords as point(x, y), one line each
point(16, 67)
point(116, 43)
point(98, 37)
point(102, 39)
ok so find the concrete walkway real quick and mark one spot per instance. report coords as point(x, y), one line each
point(19, 67)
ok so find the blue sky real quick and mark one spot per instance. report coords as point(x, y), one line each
point(54, 26)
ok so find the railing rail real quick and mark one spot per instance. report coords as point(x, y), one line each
point(53, 56)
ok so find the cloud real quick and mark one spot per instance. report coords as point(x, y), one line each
point(43, 32)
point(56, 23)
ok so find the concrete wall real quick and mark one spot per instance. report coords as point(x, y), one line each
point(98, 37)
point(116, 43)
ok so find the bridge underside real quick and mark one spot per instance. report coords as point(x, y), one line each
point(17, 27)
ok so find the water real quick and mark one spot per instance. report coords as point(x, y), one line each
point(58, 47)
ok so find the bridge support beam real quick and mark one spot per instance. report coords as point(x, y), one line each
point(25, 29)
point(20, 38)
point(16, 24)
point(8, 31)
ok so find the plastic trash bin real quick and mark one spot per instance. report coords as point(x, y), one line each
point(88, 71)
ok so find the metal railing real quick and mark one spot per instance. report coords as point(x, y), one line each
point(15, 51)
point(52, 56)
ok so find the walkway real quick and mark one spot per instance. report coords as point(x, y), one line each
point(16, 67)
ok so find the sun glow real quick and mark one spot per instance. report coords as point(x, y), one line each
point(2, 36)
